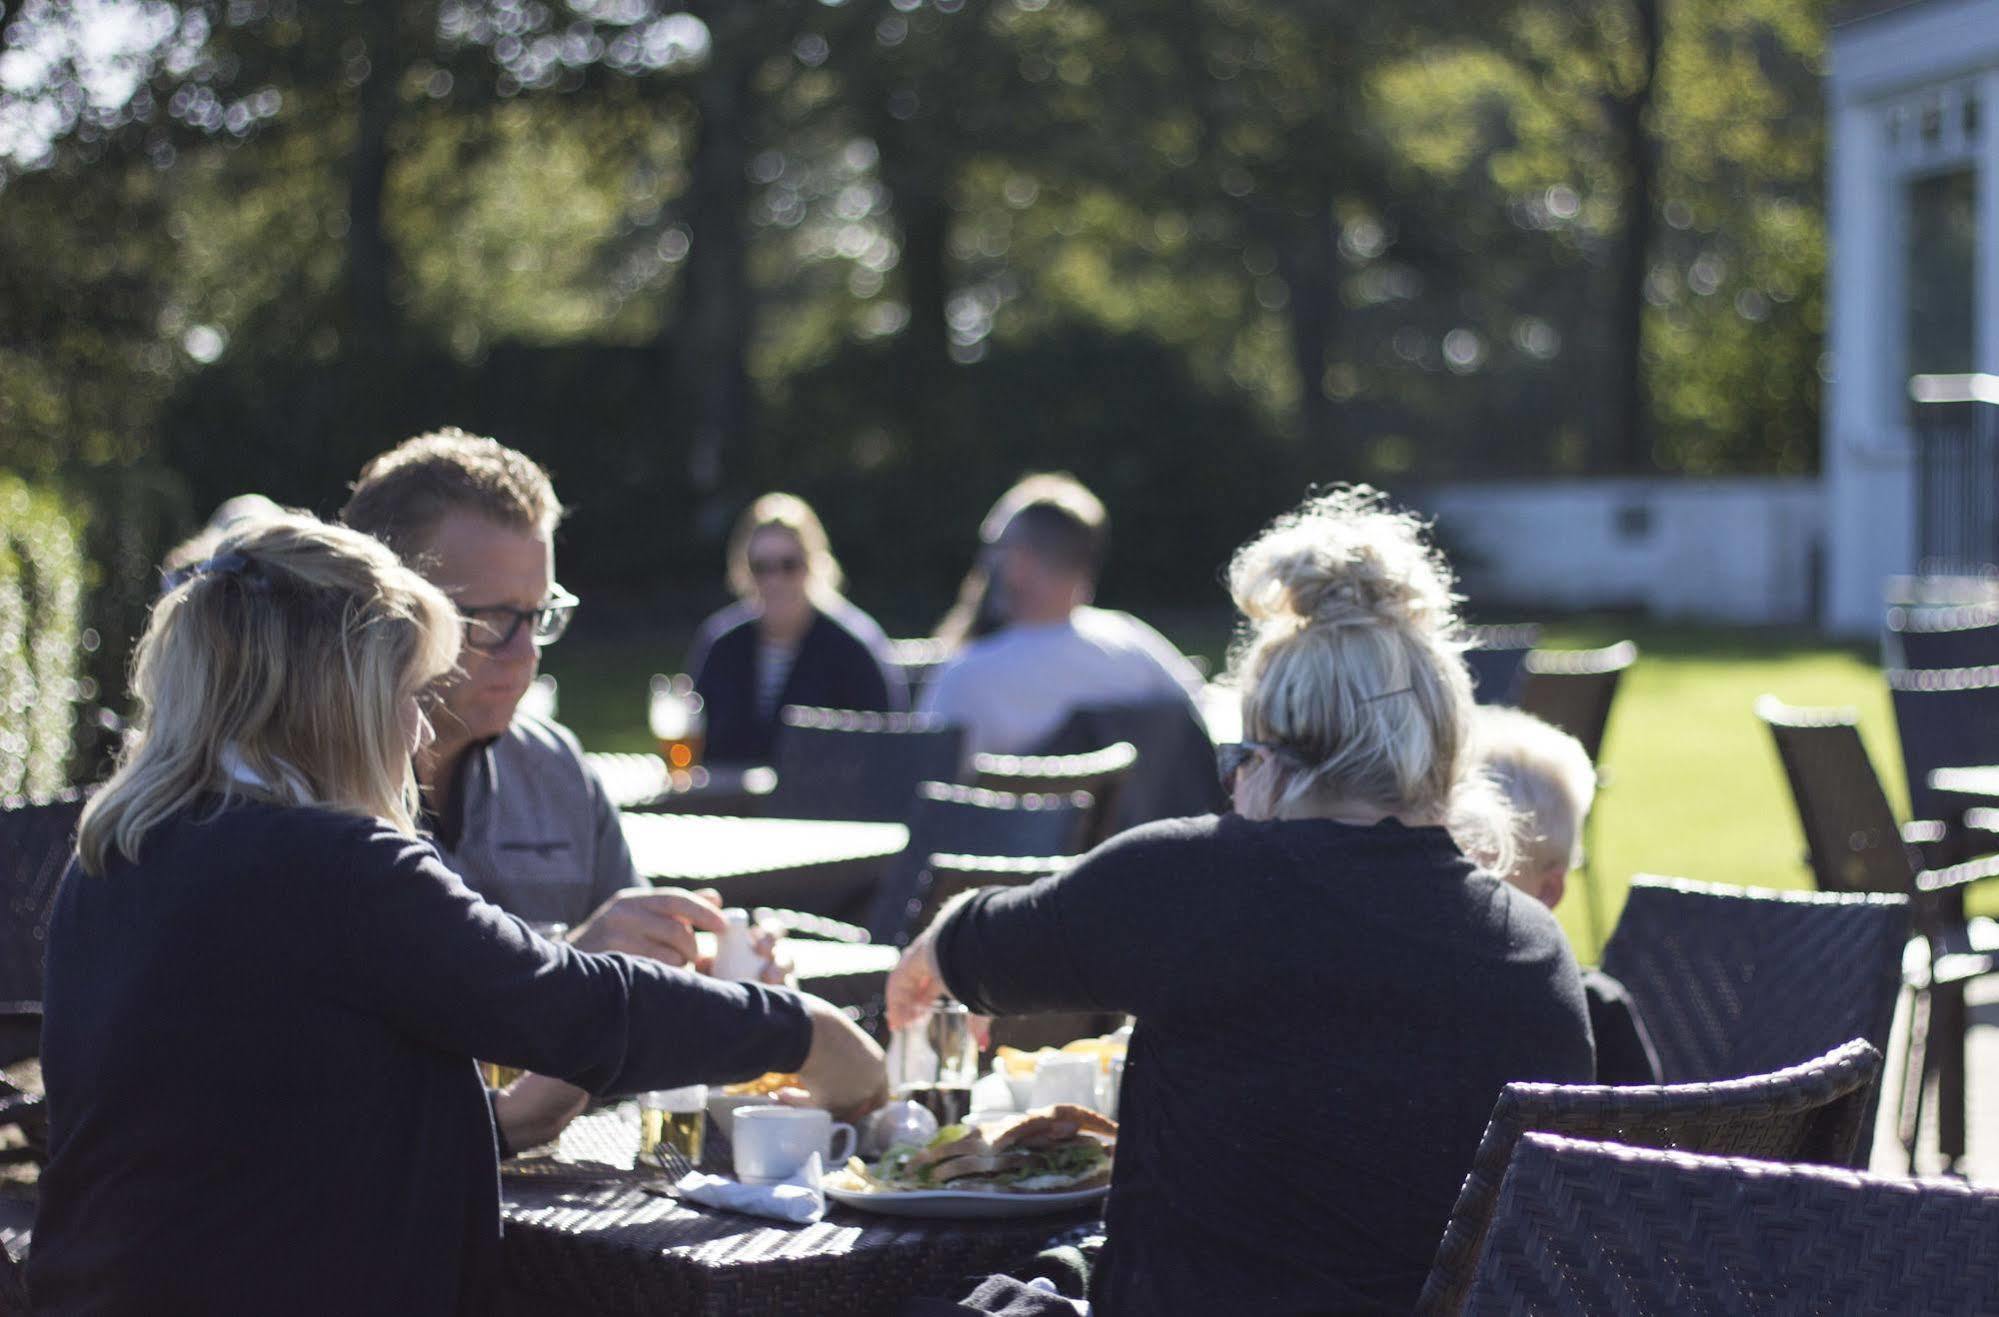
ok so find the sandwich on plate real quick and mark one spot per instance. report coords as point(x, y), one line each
point(1053, 1149)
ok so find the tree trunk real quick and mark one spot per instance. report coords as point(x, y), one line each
point(710, 334)
point(1308, 259)
point(1628, 407)
point(923, 213)
point(370, 258)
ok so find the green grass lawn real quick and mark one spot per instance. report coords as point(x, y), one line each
point(1693, 789)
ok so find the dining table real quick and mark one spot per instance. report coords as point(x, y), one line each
point(644, 782)
point(821, 867)
point(589, 1228)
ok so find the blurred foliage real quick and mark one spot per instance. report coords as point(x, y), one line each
point(41, 637)
point(889, 252)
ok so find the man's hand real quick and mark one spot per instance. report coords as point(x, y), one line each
point(534, 1108)
point(843, 1072)
point(659, 924)
point(915, 983)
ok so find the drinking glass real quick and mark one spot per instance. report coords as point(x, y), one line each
point(679, 721)
point(935, 1061)
point(674, 1116)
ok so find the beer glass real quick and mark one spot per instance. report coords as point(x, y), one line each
point(676, 1117)
point(679, 721)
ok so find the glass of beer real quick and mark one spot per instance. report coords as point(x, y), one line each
point(934, 1062)
point(679, 721)
point(676, 1117)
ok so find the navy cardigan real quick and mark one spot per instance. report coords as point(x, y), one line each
point(842, 663)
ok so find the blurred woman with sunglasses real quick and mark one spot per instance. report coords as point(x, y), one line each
point(1329, 995)
point(790, 637)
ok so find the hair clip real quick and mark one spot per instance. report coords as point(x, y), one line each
point(222, 564)
point(1399, 690)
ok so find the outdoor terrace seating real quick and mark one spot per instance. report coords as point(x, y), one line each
point(1810, 1112)
point(840, 764)
point(1585, 1227)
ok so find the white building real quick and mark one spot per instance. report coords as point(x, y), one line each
point(1913, 208)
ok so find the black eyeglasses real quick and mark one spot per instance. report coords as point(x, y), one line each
point(494, 626)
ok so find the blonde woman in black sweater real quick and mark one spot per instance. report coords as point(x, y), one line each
point(265, 992)
point(1329, 994)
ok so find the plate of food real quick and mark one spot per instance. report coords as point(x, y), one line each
point(1046, 1160)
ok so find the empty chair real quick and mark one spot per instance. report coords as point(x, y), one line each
point(1174, 776)
point(1855, 845)
point(1574, 689)
point(841, 764)
point(1496, 657)
point(1963, 637)
point(1947, 718)
point(1591, 1227)
point(969, 821)
point(1735, 981)
point(1811, 1112)
point(1102, 773)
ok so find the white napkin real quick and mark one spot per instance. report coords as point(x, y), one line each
point(799, 1199)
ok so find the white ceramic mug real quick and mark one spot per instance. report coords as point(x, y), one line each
point(1066, 1078)
point(773, 1143)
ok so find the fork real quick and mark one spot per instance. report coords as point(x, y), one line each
point(672, 1161)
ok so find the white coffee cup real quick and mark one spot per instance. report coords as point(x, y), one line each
point(1066, 1078)
point(773, 1143)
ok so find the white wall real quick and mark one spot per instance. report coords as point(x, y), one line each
point(1738, 551)
point(1892, 65)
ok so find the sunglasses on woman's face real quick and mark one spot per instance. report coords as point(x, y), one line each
point(789, 565)
point(1232, 756)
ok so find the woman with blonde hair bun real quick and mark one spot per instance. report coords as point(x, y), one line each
point(265, 992)
point(1329, 994)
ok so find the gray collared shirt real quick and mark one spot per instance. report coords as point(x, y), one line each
point(530, 828)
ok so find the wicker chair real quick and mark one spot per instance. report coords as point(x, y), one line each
point(1855, 845)
point(1946, 718)
point(1102, 773)
point(1496, 657)
point(36, 841)
point(969, 821)
point(1591, 1227)
point(1574, 689)
point(1174, 776)
point(13, 1288)
point(1810, 1112)
point(1736, 981)
point(1961, 637)
point(840, 764)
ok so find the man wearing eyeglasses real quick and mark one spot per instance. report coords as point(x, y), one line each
point(513, 806)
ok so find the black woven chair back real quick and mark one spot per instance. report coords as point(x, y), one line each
point(1174, 776)
point(1102, 773)
point(1947, 718)
point(1963, 637)
point(969, 821)
point(1851, 836)
point(1593, 1228)
point(36, 843)
point(841, 764)
point(1495, 658)
point(946, 876)
point(1734, 981)
point(1811, 1112)
point(1574, 689)
point(13, 1287)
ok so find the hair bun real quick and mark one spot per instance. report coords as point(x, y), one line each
point(1344, 558)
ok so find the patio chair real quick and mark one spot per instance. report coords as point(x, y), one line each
point(920, 660)
point(1738, 981)
point(1496, 657)
point(841, 764)
point(36, 841)
point(1593, 1227)
point(1174, 775)
point(1946, 718)
point(1855, 845)
point(969, 821)
point(13, 1288)
point(1574, 689)
point(1102, 773)
point(1811, 1112)
point(1962, 637)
